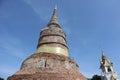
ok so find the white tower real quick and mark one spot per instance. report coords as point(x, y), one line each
point(108, 72)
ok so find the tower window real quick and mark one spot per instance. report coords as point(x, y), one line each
point(109, 70)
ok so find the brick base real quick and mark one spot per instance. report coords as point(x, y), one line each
point(45, 66)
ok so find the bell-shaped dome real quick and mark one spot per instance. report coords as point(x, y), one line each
point(52, 38)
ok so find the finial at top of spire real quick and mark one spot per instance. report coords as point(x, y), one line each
point(55, 6)
point(102, 51)
point(54, 19)
point(103, 55)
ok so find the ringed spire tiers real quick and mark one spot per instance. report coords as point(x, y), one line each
point(52, 38)
point(51, 61)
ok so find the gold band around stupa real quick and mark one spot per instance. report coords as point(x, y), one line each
point(52, 49)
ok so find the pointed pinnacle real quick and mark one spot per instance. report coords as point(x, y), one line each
point(103, 55)
point(55, 6)
point(54, 18)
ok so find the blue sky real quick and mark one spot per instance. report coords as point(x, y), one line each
point(89, 25)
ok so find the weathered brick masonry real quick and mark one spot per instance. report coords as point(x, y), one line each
point(51, 61)
point(45, 66)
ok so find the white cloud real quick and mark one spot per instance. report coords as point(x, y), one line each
point(6, 71)
point(11, 45)
point(39, 9)
point(45, 12)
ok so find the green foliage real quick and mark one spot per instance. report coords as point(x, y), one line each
point(96, 77)
point(88, 78)
point(1, 78)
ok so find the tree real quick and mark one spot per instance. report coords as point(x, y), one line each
point(1, 78)
point(96, 77)
point(88, 78)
